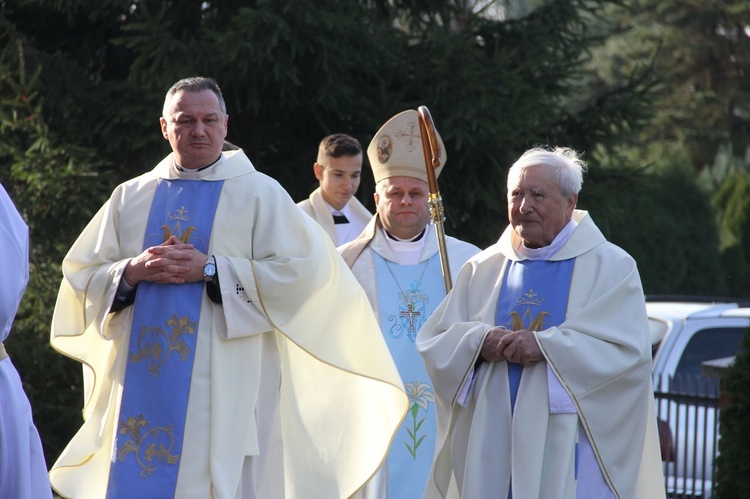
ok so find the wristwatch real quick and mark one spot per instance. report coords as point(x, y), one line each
point(209, 269)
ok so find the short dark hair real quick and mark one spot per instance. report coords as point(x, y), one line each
point(195, 84)
point(338, 145)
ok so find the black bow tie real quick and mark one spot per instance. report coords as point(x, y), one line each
point(340, 219)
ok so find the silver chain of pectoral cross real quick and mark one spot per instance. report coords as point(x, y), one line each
point(410, 314)
point(419, 283)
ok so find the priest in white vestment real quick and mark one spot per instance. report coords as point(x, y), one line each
point(396, 260)
point(215, 341)
point(23, 471)
point(540, 356)
point(339, 170)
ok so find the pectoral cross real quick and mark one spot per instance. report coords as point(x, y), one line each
point(411, 313)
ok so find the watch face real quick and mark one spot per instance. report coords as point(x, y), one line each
point(209, 270)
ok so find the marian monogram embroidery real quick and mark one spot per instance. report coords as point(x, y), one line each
point(156, 344)
point(527, 320)
point(179, 216)
point(179, 224)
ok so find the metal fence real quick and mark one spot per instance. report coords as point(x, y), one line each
point(687, 409)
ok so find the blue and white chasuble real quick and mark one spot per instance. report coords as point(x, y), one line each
point(407, 295)
point(533, 296)
point(151, 422)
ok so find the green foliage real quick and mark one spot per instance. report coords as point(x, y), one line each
point(662, 218)
point(52, 186)
point(725, 164)
point(733, 466)
point(700, 55)
point(732, 202)
point(523, 85)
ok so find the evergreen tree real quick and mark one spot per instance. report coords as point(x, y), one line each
point(700, 55)
point(52, 186)
point(662, 218)
point(732, 201)
point(732, 464)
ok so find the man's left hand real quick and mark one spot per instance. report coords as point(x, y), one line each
point(520, 347)
point(196, 263)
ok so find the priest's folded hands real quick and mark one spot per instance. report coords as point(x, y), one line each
point(519, 347)
point(171, 262)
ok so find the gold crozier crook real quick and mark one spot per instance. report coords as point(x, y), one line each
point(431, 149)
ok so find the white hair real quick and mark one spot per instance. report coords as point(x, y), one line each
point(566, 165)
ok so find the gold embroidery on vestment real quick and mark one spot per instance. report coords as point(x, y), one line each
point(147, 455)
point(535, 323)
point(176, 231)
point(155, 350)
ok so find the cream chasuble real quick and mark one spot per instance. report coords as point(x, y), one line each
point(266, 414)
point(600, 354)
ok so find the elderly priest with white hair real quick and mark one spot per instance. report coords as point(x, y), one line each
point(540, 356)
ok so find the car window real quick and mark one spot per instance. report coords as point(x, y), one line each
point(708, 344)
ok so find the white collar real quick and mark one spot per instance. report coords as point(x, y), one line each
point(221, 159)
point(547, 252)
point(407, 251)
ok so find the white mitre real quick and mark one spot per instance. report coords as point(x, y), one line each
point(396, 150)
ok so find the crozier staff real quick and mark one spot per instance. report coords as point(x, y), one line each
point(431, 149)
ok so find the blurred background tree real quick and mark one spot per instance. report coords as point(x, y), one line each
point(732, 465)
point(695, 145)
point(652, 92)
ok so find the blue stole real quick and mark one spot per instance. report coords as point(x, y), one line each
point(408, 294)
point(161, 351)
point(534, 296)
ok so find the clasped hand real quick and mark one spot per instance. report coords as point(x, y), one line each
point(519, 346)
point(172, 262)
